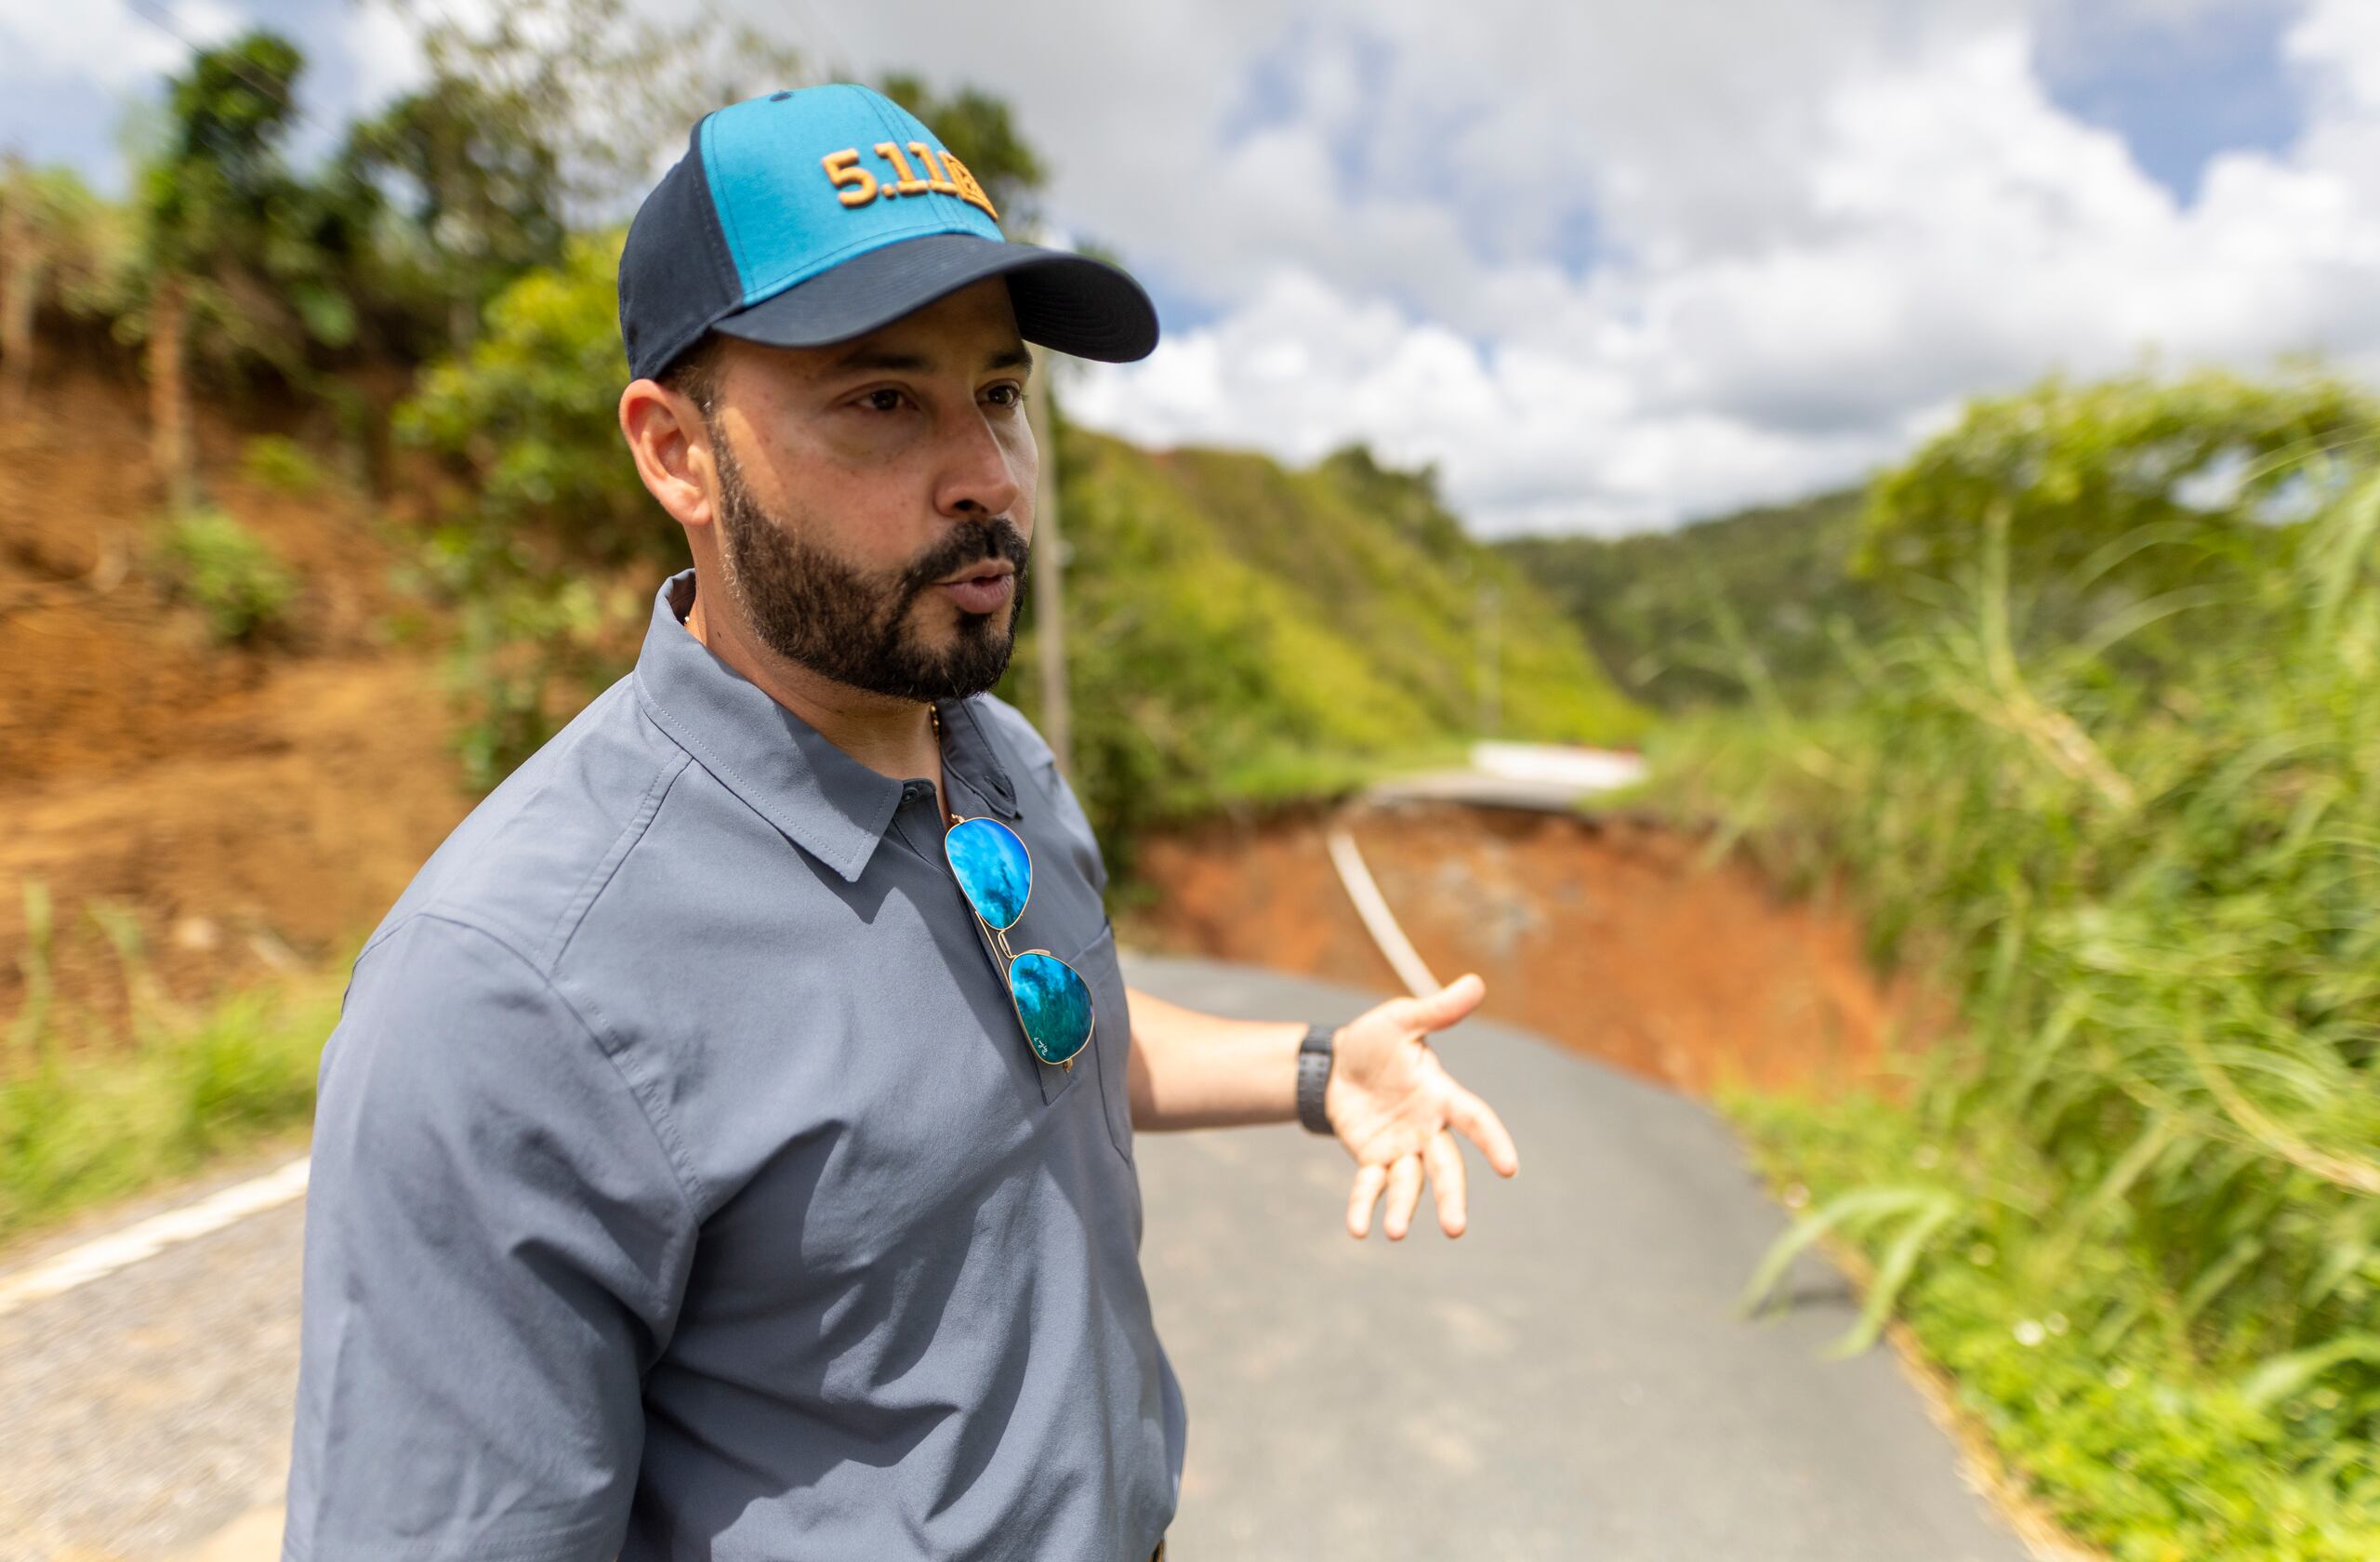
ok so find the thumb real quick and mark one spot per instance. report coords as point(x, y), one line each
point(1441, 1009)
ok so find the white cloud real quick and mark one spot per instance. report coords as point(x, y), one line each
point(380, 47)
point(104, 42)
point(1783, 297)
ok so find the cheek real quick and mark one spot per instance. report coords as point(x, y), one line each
point(869, 511)
point(1024, 467)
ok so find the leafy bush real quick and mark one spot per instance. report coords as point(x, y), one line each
point(529, 417)
point(280, 463)
point(549, 547)
point(2119, 479)
point(228, 572)
point(2153, 897)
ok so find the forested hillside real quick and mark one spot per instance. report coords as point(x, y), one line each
point(1687, 616)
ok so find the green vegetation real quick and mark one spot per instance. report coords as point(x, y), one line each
point(228, 572)
point(1681, 618)
point(280, 463)
point(2084, 696)
point(1241, 631)
point(2125, 807)
point(2115, 491)
point(87, 1115)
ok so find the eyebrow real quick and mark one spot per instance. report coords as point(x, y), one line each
point(886, 361)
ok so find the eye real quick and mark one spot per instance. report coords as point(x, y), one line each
point(885, 399)
point(1005, 394)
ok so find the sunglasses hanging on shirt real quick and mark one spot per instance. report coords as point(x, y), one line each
point(995, 873)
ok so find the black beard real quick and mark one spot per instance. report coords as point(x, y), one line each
point(851, 625)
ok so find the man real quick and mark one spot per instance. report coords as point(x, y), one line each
point(713, 1160)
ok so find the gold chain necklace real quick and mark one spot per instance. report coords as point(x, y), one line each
point(933, 714)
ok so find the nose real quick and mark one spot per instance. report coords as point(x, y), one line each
point(980, 472)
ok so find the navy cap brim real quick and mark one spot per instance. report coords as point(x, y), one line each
point(1070, 303)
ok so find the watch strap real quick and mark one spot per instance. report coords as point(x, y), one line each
point(1314, 1077)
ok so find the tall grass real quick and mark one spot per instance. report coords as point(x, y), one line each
point(90, 1111)
point(2136, 1204)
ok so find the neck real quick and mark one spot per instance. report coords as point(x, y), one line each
point(889, 736)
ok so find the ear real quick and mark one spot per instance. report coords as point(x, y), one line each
point(672, 449)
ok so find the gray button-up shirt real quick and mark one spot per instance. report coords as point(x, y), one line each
point(683, 1185)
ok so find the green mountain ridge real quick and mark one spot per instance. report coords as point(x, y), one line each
point(1680, 617)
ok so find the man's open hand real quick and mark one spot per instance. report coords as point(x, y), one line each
point(1398, 1110)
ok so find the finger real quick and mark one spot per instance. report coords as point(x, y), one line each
point(1478, 1122)
point(1447, 1183)
point(1404, 1195)
point(1361, 1198)
point(1441, 1009)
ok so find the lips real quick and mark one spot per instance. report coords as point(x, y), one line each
point(985, 589)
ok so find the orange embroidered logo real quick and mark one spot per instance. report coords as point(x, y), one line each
point(944, 175)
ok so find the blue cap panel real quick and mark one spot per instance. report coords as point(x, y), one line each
point(800, 185)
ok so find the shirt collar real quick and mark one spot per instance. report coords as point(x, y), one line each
point(823, 799)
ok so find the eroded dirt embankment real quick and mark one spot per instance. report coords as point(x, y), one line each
point(1606, 933)
point(250, 807)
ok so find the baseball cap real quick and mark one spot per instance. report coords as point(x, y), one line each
point(815, 215)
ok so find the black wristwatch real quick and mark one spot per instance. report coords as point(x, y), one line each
point(1314, 1077)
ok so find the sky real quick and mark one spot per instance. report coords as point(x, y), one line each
point(1607, 266)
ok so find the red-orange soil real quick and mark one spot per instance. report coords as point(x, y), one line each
point(1605, 932)
point(250, 807)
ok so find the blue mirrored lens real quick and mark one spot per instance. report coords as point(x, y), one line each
point(992, 868)
point(1054, 1002)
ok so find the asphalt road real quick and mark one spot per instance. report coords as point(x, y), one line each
point(1570, 1380)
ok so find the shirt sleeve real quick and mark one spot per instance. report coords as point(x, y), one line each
point(496, 1240)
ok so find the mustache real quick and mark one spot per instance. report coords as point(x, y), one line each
point(974, 544)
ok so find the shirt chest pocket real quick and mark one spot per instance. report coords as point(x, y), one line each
point(1108, 1053)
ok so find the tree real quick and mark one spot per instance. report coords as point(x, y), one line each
point(588, 94)
point(2126, 486)
point(479, 202)
point(60, 246)
point(239, 256)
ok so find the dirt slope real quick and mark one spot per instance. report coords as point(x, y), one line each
point(1605, 932)
point(250, 806)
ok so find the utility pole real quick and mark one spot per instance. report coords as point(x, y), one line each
point(1491, 659)
point(1049, 571)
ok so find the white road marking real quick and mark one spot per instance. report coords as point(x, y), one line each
point(1377, 920)
point(105, 1255)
